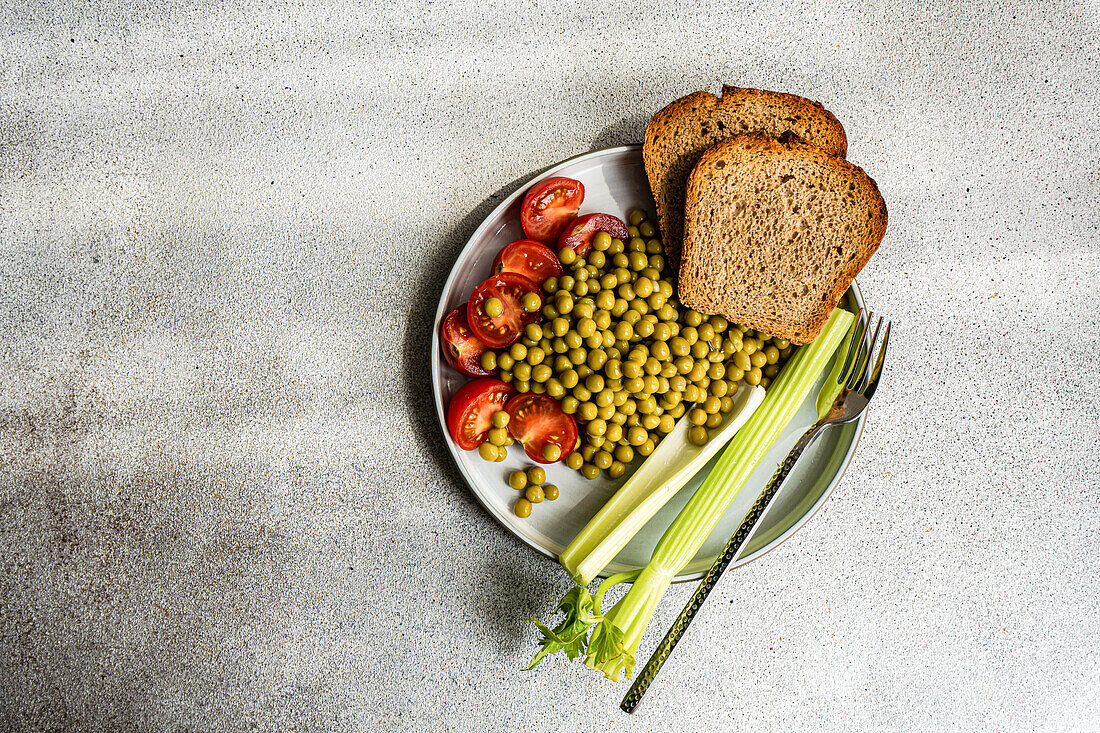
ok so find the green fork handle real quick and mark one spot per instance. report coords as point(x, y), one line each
point(732, 549)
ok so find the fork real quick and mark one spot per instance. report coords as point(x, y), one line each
point(860, 380)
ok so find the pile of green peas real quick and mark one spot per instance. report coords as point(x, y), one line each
point(625, 358)
point(532, 483)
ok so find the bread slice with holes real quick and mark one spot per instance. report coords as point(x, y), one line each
point(678, 134)
point(775, 232)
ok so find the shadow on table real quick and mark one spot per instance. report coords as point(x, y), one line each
point(628, 131)
point(417, 346)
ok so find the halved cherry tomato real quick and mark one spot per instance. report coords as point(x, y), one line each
point(534, 260)
point(471, 410)
point(579, 233)
point(505, 329)
point(549, 206)
point(537, 420)
point(461, 348)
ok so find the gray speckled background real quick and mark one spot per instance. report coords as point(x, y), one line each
point(224, 501)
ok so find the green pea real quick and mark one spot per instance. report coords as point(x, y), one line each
point(517, 480)
point(569, 378)
point(771, 354)
point(582, 393)
point(602, 319)
point(718, 387)
point(705, 331)
point(567, 255)
point(594, 382)
point(667, 424)
point(636, 243)
point(569, 404)
point(594, 341)
point(597, 358)
point(657, 262)
point(693, 318)
point(617, 470)
point(541, 373)
point(653, 246)
point(597, 260)
point(601, 241)
point(583, 370)
point(550, 285)
point(549, 312)
point(753, 376)
point(518, 352)
point(533, 494)
point(595, 427)
point(536, 355)
point(698, 435)
point(602, 459)
point(636, 217)
point(550, 491)
point(489, 360)
point(522, 370)
point(493, 307)
point(632, 316)
point(589, 471)
point(531, 302)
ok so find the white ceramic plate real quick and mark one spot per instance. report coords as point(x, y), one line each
point(615, 182)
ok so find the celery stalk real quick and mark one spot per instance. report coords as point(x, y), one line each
point(831, 389)
point(682, 540)
point(614, 639)
point(658, 479)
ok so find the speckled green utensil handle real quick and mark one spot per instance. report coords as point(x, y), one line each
point(732, 549)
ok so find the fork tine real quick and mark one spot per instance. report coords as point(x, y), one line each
point(856, 335)
point(870, 390)
point(868, 369)
point(860, 363)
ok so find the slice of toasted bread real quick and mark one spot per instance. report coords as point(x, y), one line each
point(775, 232)
point(678, 134)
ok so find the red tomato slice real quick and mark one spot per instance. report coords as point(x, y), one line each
point(534, 260)
point(505, 329)
point(549, 206)
point(471, 409)
point(579, 233)
point(461, 348)
point(536, 420)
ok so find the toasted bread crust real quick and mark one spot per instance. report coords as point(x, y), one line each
point(703, 252)
point(671, 149)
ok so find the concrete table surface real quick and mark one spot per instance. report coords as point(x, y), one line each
point(224, 500)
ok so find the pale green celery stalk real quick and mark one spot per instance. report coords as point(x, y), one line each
point(831, 389)
point(657, 480)
point(682, 540)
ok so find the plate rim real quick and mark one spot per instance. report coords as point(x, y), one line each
point(441, 417)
